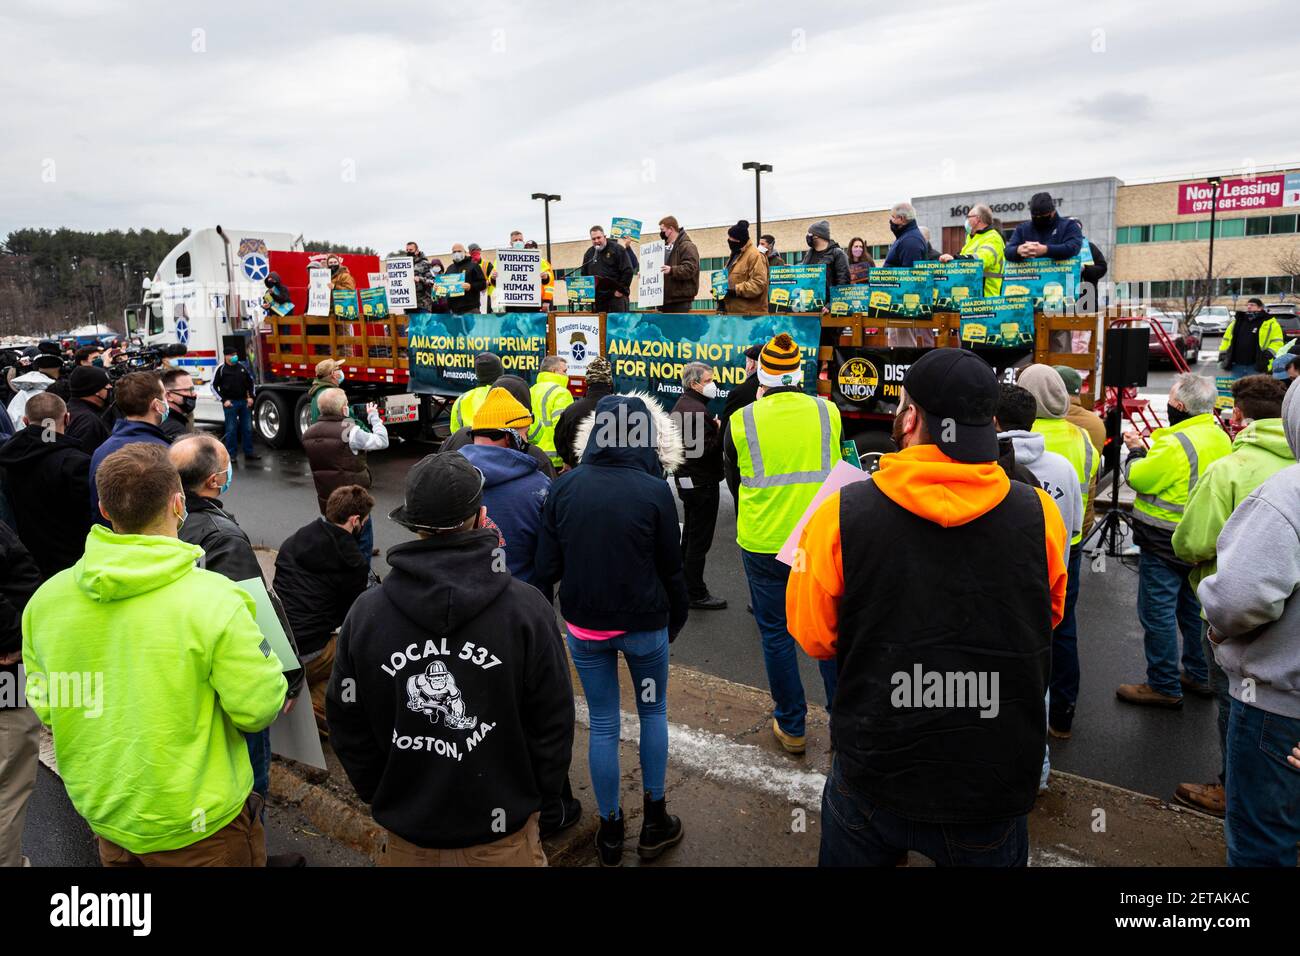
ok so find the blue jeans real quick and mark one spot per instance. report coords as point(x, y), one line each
point(1064, 687)
point(1222, 699)
point(259, 755)
point(646, 653)
point(366, 541)
point(1167, 604)
point(1262, 825)
point(856, 832)
point(767, 580)
point(239, 427)
point(1241, 371)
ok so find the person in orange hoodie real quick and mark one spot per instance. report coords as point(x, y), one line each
point(934, 586)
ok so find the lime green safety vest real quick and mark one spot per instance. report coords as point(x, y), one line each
point(1164, 477)
point(462, 411)
point(990, 248)
point(786, 445)
point(1271, 338)
point(1072, 442)
point(549, 397)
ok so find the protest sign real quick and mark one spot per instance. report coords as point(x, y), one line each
point(345, 304)
point(899, 294)
point(621, 227)
point(374, 303)
point(519, 278)
point(1052, 285)
point(581, 291)
point(718, 284)
point(1004, 321)
point(577, 340)
point(870, 380)
point(650, 289)
point(441, 347)
point(953, 281)
point(400, 271)
point(849, 299)
point(649, 349)
point(448, 284)
point(318, 292)
point(797, 288)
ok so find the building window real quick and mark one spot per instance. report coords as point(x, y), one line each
point(1232, 228)
point(1162, 233)
point(1253, 286)
point(1159, 290)
point(1283, 224)
point(1257, 226)
point(1203, 229)
point(1184, 231)
point(1280, 285)
point(1121, 236)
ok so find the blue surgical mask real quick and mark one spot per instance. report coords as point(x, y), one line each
point(167, 409)
point(230, 476)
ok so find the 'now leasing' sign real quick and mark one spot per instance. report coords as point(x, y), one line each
point(1259, 192)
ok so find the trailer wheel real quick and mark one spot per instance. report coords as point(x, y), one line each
point(271, 419)
point(873, 440)
point(302, 416)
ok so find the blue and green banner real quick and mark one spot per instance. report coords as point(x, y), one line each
point(447, 284)
point(1003, 321)
point(345, 304)
point(374, 302)
point(953, 281)
point(797, 288)
point(441, 347)
point(719, 283)
point(850, 299)
point(899, 293)
point(622, 226)
point(649, 349)
point(582, 292)
point(1051, 284)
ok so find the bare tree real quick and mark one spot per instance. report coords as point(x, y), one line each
point(1191, 288)
point(1288, 262)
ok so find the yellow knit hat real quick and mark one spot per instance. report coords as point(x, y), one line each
point(780, 363)
point(499, 412)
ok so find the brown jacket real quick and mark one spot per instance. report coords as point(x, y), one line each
point(343, 279)
point(1095, 429)
point(683, 282)
point(333, 463)
point(747, 282)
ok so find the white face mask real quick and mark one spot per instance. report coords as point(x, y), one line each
point(763, 249)
point(457, 256)
point(710, 390)
point(519, 244)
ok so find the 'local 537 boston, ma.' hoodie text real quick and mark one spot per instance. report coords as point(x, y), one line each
point(450, 705)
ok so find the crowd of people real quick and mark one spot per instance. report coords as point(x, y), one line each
point(545, 537)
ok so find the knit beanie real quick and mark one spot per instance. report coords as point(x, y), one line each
point(600, 372)
point(780, 363)
point(499, 412)
point(1043, 382)
point(820, 228)
point(488, 368)
point(739, 232)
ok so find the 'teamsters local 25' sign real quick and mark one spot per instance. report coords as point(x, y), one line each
point(1236, 195)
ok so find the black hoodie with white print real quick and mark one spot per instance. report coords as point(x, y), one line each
point(450, 705)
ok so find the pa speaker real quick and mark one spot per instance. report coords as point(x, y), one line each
point(1126, 358)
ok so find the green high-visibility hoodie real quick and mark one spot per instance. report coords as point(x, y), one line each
point(146, 669)
point(1259, 450)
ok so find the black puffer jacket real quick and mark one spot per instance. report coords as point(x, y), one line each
point(319, 572)
point(48, 484)
point(19, 579)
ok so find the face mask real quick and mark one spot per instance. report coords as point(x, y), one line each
point(356, 532)
point(896, 432)
point(97, 362)
point(710, 390)
point(341, 377)
point(763, 249)
point(968, 229)
point(437, 270)
point(230, 476)
point(517, 245)
point(188, 402)
point(457, 256)
point(1177, 415)
point(477, 256)
point(1043, 222)
point(733, 243)
point(663, 235)
point(334, 270)
point(895, 228)
point(232, 359)
point(166, 410)
point(858, 253)
point(809, 239)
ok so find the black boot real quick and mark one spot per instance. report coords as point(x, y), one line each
point(609, 840)
point(659, 829)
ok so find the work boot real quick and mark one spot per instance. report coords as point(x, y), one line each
point(791, 743)
point(659, 829)
point(1199, 688)
point(286, 860)
point(1206, 797)
point(609, 840)
point(709, 602)
point(1060, 734)
point(1143, 694)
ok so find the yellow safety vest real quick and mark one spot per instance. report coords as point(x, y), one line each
point(786, 445)
point(1271, 338)
point(549, 397)
point(462, 411)
point(1072, 442)
point(548, 288)
point(990, 248)
point(1164, 477)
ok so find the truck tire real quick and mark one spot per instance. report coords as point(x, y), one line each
point(302, 416)
point(271, 420)
point(874, 440)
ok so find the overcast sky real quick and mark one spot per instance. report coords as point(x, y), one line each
point(371, 123)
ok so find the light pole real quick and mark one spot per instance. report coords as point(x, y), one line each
point(759, 169)
point(1214, 209)
point(547, 199)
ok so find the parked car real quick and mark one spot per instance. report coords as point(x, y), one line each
point(1287, 317)
point(1211, 320)
point(1187, 342)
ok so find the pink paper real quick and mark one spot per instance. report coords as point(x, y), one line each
point(842, 474)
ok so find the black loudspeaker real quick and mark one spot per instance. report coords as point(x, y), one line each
point(1126, 357)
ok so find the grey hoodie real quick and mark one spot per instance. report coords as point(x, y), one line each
point(1248, 599)
point(1055, 473)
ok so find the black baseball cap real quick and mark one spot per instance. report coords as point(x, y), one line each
point(1040, 204)
point(87, 380)
point(442, 490)
point(958, 392)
